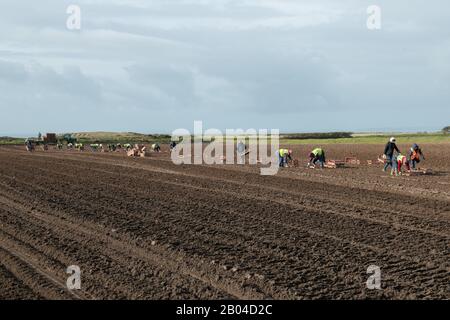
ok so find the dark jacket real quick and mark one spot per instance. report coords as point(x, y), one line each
point(418, 152)
point(390, 148)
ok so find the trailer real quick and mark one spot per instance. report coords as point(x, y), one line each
point(50, 139)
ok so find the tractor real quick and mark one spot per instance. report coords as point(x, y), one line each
point(69, 139)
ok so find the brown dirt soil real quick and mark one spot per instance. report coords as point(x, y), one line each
point(144, 228)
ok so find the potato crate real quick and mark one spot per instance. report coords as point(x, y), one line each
point(352, 160)
point(333, 164)
point(132, 153)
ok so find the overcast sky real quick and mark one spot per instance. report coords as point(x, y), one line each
point(154, 66)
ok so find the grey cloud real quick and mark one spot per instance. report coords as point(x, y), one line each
point(12, 72)
point(247, 63)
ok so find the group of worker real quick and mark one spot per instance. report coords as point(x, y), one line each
point(157, 148)
point(316, 156)
point(394, 158)
point(96, 146)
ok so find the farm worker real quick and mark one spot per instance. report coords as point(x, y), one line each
point(241, 152)
point(156, 147)
point(29, 145)
point(283, 156)
point(318, 154)
point(400, 161)
point(414, 155)
point(389, 153)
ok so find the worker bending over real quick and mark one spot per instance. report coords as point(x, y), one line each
point(156, 147)
point(112, 147)
point(414, 155)
point(284, 155)
point(400, 160)
point(29, 145)
point(318, 154)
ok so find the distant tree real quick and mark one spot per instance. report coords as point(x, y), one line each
point(446, 129)
point(318, 135)
point(39, 136)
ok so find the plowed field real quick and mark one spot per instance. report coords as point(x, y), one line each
point(144, 228)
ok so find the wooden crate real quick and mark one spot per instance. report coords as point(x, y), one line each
point(352, 160)
point(333, 164)
point(132, 153)
point(419, 172)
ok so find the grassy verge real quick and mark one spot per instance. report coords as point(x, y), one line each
point(130, 137)
point(375, 139)
point(10, 141)
point(120, 137)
